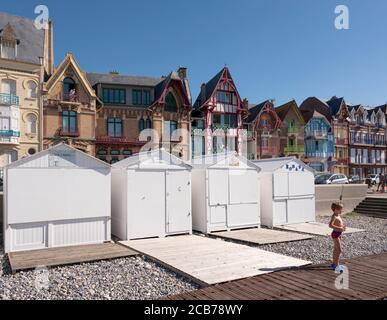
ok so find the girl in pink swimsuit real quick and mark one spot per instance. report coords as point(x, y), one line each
point(338, 227)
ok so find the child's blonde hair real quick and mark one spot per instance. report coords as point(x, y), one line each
point(337, 205)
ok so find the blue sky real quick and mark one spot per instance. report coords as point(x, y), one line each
point(281, 49)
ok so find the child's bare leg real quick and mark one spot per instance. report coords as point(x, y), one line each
point(336, 251)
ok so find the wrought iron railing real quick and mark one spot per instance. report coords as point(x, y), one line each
point(10, 133)
point(9, 99)
point(297, 149)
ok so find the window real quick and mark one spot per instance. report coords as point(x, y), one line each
point(8, 86)
point(4, 123)
point(31, 89)
point(137, 97)
point(102, 152)
point(224, 97)
point(31, 123)
point(114, 127)
point(170, 103)
point(146, 97)
point(169, 128)
point(31, 151)
point(141, 125)
point(68, 87)
point(115, 152)
point(114, 96)
point(69, 121)
point(148, 123)
point(8, 49)
point(127, 152)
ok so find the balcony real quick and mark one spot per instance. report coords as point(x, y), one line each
point(293, 130)
point(342, 162)
point(268, 150)
point(341, 141)
point(9, 137)
point(9, 99)
point(362, 141)
point(106, 140)
point(294, 149)
point(319, 155)
point(68, 132)
point(316, 134)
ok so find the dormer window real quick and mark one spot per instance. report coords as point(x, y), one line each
point(8, 43)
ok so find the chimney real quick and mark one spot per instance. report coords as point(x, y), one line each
point(245, 104)
point(182, 72)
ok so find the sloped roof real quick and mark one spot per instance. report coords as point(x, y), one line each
point(68, 61)
point(210, 87)
point(31, 40)
point(255, 110)
point(283, 110)
point(96, 78)
point(270, 165)
point(382, 107)
point(156, 157)
point(61, 147)
point(228, 159)
point(334, 105)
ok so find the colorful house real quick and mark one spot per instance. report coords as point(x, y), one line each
point(70, 108)
point(23, 53)
point(367, 142)
point(133, 104)
point(266, 125)
point(292, 130)
point(319, 142)
point(218, 116)
point(336, 112)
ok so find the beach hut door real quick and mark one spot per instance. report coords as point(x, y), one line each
point(178, 204)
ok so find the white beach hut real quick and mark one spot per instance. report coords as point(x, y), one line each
point(225, 193)
point(289, 193)
point(57, 197)
point(151, 196)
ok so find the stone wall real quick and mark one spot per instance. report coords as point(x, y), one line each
point(353, 194)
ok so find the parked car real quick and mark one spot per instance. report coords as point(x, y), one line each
point(354, 179)
point(373, 179)
point(336, 178)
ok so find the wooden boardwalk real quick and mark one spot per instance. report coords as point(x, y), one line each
point(367, 281)
point(209, 261)
point(25, 260)
point(261, 236)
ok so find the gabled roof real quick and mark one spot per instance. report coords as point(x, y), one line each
point(60, 147)
point(283, 110)
point(161, 88)
point(68, 61)
point(318, 115)
point(383, 108)
point(230, 160)
point(210, 88)
point(255, 110)
point(154, 158)
point(30, 39)
point(270, 165)
point(335, 105)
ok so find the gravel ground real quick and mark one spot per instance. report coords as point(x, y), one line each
point(319, 249)
point(119, 279)
point(139, 278)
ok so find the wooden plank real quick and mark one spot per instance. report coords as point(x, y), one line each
point(67, 255)
point(209, 261)
point(261, 236)
point(316, 282)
